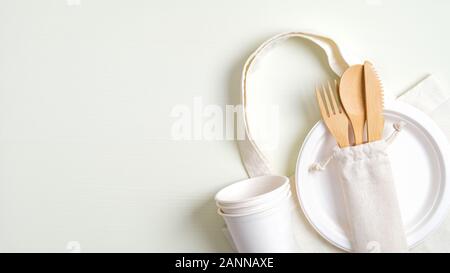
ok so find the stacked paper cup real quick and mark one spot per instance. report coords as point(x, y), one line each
point(258, 214)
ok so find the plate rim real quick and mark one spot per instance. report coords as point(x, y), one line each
point(442, 143)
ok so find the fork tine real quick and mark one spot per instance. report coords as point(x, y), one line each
point(322, 108)
point(338, 98)
point(327, 101)
point(333, 98)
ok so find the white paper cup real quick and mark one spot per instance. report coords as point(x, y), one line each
point(252, 192)
point(266, 231)
point(245, 209)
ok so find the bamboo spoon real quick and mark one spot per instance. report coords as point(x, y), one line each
point(351, 92)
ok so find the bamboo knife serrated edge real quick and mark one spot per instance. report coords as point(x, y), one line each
point(374, 103)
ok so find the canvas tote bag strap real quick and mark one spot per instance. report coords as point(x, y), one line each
point(253, 159)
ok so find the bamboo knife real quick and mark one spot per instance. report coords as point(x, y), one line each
point(374, 103)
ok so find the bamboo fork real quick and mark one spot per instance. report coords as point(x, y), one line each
point(333, 114)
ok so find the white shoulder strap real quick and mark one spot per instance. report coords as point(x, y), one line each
point(253, 159)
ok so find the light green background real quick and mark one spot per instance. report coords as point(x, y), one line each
point(86, 91)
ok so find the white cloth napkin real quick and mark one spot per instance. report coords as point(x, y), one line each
point(432, 98)
point(427, 95)
point(374, 217)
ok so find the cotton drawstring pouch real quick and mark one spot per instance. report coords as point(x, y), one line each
point(365, 174)
point(373, 213)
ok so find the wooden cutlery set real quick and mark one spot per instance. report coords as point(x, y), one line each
point(357, 100)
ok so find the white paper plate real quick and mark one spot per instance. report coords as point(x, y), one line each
point(420, 162)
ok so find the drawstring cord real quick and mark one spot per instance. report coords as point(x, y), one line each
point(317, 166)
point(320, 166)
point(398, 126)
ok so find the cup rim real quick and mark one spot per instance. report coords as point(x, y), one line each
point(262, 211)
point(243, 205)
point(285, 181)
point(261, 207)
